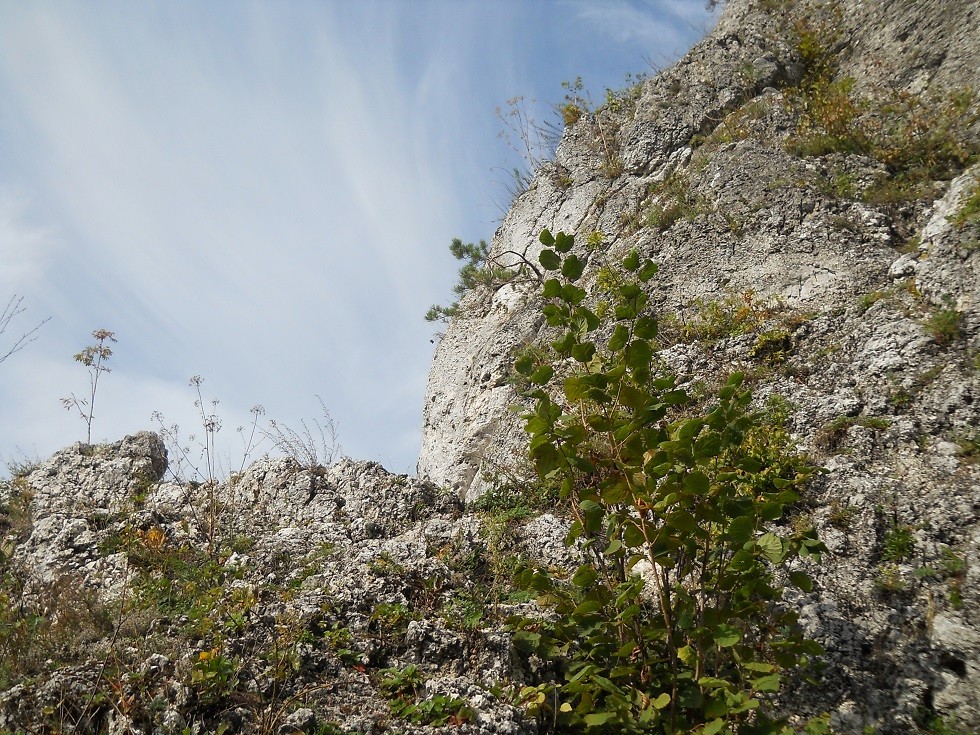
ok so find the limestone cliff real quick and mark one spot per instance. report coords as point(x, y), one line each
point(805, 178)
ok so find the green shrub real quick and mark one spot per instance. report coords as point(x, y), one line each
point(889, 580)
point(673, 623)
point(214, 676)
point(870, 299)
point(898, 543)
point(773, 346)
point(404, 689)
point(733, 315)
point(945, 326)
point(919, 137)
point(674, 201)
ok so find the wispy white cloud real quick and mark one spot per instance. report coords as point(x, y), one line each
point(650, 23)
point(25, 246)
point(260, 193)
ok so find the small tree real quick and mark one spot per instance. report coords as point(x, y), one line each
point(480, 269)
point(92, 357)
point(674, 622)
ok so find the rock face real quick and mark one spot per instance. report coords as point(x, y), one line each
point(760, 218)
point(795, 242)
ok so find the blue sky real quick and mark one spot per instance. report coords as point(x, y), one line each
point(263, 194)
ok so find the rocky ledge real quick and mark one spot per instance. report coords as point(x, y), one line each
point(286, 599)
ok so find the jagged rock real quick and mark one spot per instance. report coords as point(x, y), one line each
point(324, 552)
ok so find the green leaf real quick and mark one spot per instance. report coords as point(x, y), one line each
point(630, 291)
point(626, 311)
point(742, 561)
point(646, 327)
point(546, 458)
point(549, 259)
point(662, 701)
point(572, 268)
point(708, 445)
point(713, 727)
point(620, 337)
point(546, 238)
point(563, 242)
point(727, 636)
point(801, 580)
point(682, 521)
point(639, 354)
point(587, 607)
point(575, 388)
point(648, 271)
point(687, 655)
point(585, 576)
point(633, 398)
point(555, 314)
point(771, 511)
point(588, 317)
point(572, 294)
point(564, 345)
point(767, 683)
point(633, 535)
point(524, 365)
point(615, 492)
point(771, 546)
point(599, 718)
point(697, 482)
point(552, 288)
point(632, 262)
point(583, 352)
point(741, 529)
point(542, 375)
point(593, 513)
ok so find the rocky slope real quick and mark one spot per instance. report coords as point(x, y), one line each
point(288, 599)
point(806, 178)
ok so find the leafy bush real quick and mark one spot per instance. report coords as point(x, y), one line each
point(945, 326)
point(970, 210)
point(674, 622)
point(674, 201)
point(715, 319)
point(898, 544)
point(832, 434)
point(404, 687)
